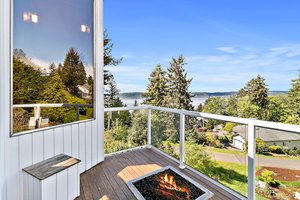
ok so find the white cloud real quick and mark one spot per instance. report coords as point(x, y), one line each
point(227, 49)
point(40, 62)
point(131, 87)
point(126, 55)
point(89, 69)
point(220, 71)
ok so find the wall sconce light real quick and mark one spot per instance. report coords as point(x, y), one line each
point(28, 16)
point(84, 28)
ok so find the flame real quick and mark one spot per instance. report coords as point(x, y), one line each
point(167, 181)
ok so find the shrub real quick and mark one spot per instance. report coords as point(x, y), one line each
point(21, 118)
point(268, 177)
point(276, 149)
point(292, 152)
point(213, 140)
point(261, 146)
point(229, 126)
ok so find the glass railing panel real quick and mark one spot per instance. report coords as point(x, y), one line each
point(218, 149)
point(278, 164)
point(125, 130)
point(165, 132)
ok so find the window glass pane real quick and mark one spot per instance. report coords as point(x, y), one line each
point(53, 72)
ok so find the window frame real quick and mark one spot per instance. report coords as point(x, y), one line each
point(97, 70)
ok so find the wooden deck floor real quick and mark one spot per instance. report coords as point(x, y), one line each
point(108, 179)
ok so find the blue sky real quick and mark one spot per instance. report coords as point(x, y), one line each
point(225, 43)
point(58, 29)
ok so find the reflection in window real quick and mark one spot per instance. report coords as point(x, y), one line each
point(53, 71)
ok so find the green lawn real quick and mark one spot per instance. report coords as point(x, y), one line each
point(239, 152)
point(213, 149)
point(240, 186)
point(237, 184)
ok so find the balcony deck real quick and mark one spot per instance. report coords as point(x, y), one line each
point(107, 180)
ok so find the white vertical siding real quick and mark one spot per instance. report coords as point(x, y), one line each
point(48, 144)
point(83, 140)
point(48, 188)
point(78, 140)
point(81, 148)
point(88, 145)
point(67, 140)
point(58, 141)
point(62, 182)
point(37, 146)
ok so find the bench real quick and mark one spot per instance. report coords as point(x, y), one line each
point(55, 178)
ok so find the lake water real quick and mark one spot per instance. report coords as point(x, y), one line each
point(196, 101)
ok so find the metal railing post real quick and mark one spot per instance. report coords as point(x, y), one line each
point(149, 127)
point(37, 115)
point(182, 140)
point(251, 159)
point(77, 112)
point(109, 116)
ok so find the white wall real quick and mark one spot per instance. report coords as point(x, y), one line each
point(82, 140)
point(238, 142)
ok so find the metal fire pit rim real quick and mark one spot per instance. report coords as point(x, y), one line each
point(207, 194)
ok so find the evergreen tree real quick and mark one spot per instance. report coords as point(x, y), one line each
point(157, 88)
point(109, 60)
point(199, 108)
point(112, 99)
point(90, 82)
point(27, 83)
point(55, 90)
point(59, 68)
point(257, 91)
point(178, 95)
point(294, 102)
point(135, 103)
point(112, 94)
point(138, 134)
point(231, 106)
point(73, 72)
point(52, 69)
point(214, 105)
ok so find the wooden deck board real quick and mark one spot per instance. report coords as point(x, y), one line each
point(107, 180)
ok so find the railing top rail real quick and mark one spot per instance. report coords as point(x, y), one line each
point(246, 121)
point(50, 105)
point(277, 126)
point(114, 109)
point(203, 115)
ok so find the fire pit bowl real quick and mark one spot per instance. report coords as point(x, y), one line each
point(167, 183)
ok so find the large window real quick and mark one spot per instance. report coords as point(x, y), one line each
point(52, 64)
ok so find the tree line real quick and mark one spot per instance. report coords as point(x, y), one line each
point(170, 88)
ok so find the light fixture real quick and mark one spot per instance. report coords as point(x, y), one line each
point(34, 18)
point(28, 16)
point(84, 28)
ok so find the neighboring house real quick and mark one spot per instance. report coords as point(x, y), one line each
point(84, 91)
point(269, 136)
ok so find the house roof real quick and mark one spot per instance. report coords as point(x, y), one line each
point(267, 135)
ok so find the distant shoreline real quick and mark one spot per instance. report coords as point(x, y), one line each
point(138, 95)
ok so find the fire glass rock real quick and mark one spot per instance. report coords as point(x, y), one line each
point(167, 185)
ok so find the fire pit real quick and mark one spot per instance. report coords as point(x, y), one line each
point(167, 183)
